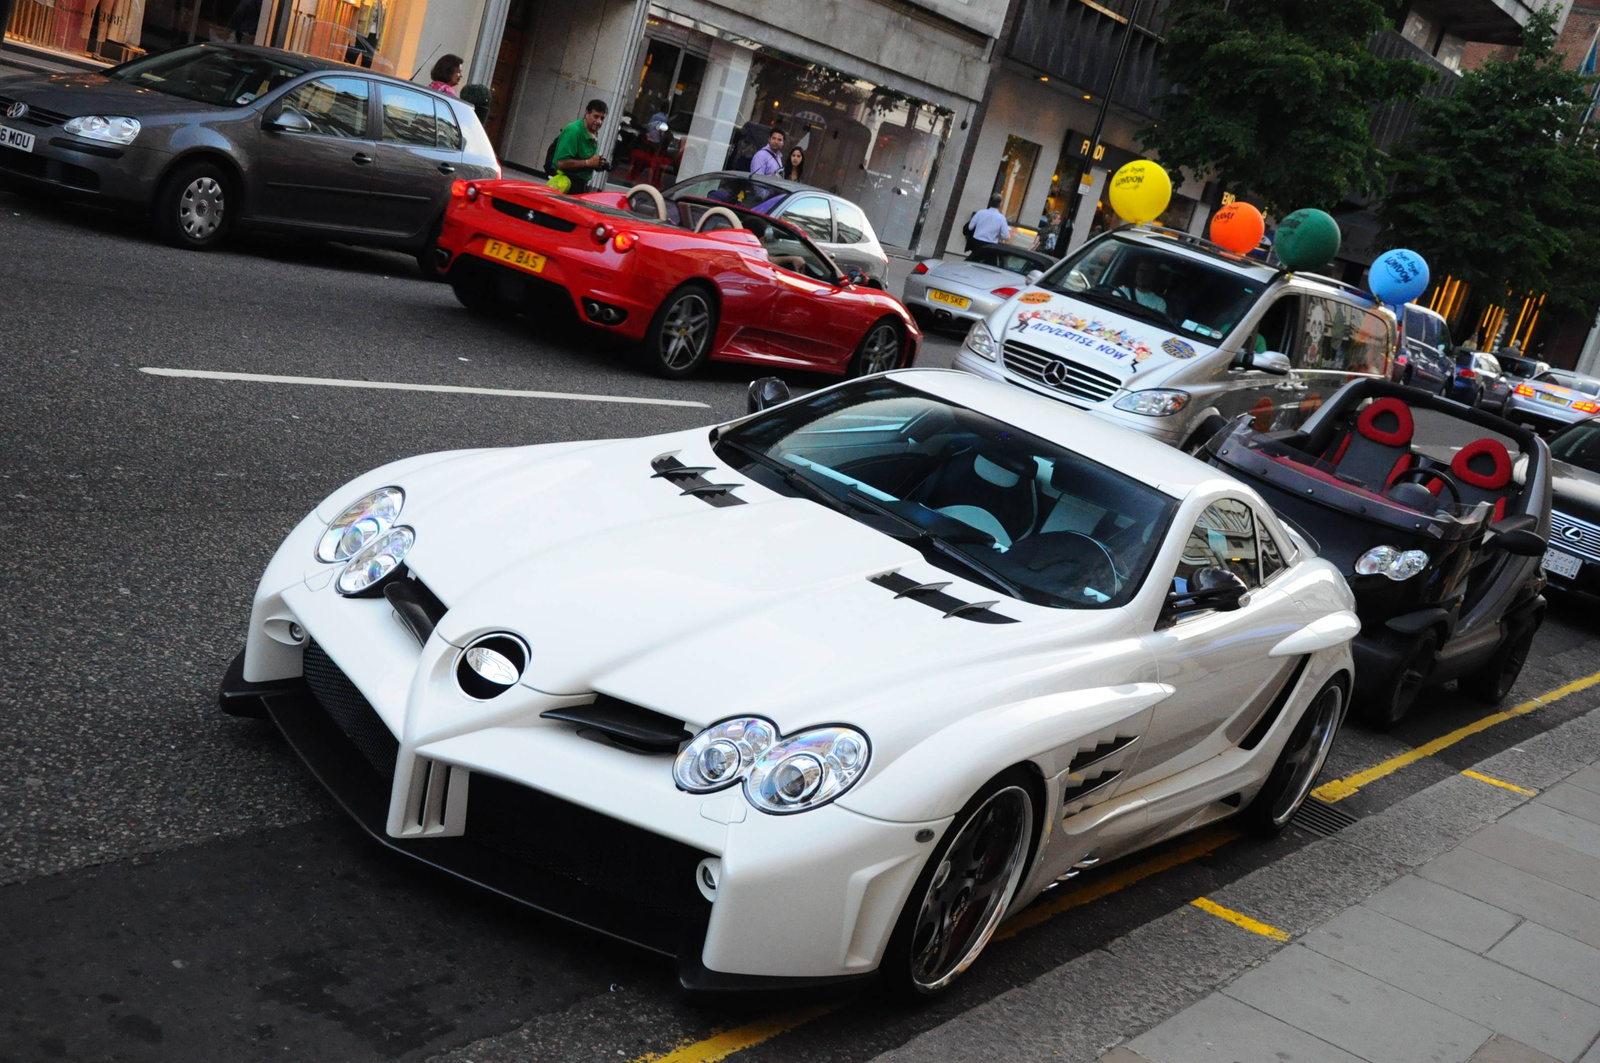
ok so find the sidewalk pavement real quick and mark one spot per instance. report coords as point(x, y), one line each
point(1461, 924)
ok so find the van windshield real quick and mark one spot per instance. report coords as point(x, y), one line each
point(1175, 292)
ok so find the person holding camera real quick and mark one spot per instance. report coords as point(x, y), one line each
point(576, 155)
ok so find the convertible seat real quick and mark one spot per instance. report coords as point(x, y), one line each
point(1379, 448)
point(1482, 471)
point(977, 490)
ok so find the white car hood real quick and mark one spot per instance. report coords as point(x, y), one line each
point(623, 585)
point(1125, 347)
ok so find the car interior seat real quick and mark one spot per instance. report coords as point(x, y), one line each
point(1482, 472)
point(990, 493)
point(1378, 448)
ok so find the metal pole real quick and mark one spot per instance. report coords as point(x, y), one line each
point(1116, 75)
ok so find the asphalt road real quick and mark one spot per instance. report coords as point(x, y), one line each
point(172, 885)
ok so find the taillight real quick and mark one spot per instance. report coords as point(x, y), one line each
point(1524, 390)
point(624, 241)
point(1004, 293)
point(920, 267)
point(1466, 374)
point(1586, 407)
point(600, 233)
point(458, 189)
point(1400, 360)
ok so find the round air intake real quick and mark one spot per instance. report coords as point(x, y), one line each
point(491, 665)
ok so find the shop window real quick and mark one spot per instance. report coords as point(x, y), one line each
point(850, 223)
point(1011, 180)
point(408, 117)
point(335, 107)
point(812, 216)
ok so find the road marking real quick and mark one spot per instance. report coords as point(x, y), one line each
point(722, 1045)
point(1513, 787)
point(1239, 919)
point(389, 385)
point(1339, 789)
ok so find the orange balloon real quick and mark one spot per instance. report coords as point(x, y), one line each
point(1238, 227)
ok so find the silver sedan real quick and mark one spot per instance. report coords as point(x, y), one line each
point(955, 294)
point(1554, 399)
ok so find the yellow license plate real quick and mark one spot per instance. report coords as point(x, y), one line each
point(1557, 399)
point(516, 256)
point(945, 297)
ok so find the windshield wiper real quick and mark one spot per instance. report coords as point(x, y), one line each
point(788, 474)
point(943, 546)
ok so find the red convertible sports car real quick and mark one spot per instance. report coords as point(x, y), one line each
point(689, 281)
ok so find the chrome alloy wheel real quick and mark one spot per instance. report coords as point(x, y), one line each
point(1307, 750)
point(880, 351)
point(972, 887)
point(686, 331)
point(200, 208)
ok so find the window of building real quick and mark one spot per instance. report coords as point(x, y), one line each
point(1014, 175)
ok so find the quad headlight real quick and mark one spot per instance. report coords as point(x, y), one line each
point(780, 775)
point(980, 342)
point(376, 560)
point(366, 519)
point(107, 129)
point(1388, 561)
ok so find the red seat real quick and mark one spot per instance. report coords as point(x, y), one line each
point(1380, 447)
point(1482, 471)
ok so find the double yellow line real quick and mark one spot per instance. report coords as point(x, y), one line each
point(725, 1043)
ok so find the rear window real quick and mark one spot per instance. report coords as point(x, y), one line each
point(851, 223)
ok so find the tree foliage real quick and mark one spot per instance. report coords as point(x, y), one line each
point(1500, 187)
point(1276, 97)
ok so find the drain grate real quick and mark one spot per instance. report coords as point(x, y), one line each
point(1321, 818)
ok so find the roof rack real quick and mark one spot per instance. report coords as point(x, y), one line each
point(1346, 285)
point(1202, 244)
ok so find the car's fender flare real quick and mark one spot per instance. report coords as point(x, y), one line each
point(203, 153)
point(940, 774)
point(1421, 620)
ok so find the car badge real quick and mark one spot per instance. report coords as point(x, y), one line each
point(17, 110)
point(1055, 373)
point(1574, 534)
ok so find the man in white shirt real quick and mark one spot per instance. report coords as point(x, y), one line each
point(989, 226)
point(1146, 277)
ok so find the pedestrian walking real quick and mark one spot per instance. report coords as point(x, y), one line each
point(1049, 233)
point(769, 160)
point(575, 156)
point(988, 226)
point(446, 74)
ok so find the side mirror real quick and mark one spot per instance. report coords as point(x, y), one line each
point(285, 121)
point(1033, 276)
point(1520, 541)
point(1210, 588)
point(1270, 362)
point(766, 391)
point(1520, 522)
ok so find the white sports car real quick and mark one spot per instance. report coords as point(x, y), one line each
point(822, 692)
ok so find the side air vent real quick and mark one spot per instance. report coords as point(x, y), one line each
point(1077, 792)
point(632, 726)
point(418, 608)
point(933, 596)
point(1090, 757)
point(690, 479)
point(1259, 729)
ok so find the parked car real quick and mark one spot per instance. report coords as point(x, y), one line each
point(689, 280)
point(1518, 365)
point(944, 293)
point(1440, 542)
point(1172, 336)
point(215, 136)
point(1554, 399)
point(1479, 381)
point(1572, 564)
point(1426, 359)
point(832, 222)
point(821, 692)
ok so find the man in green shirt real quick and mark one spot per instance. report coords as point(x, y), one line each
point(576, 153)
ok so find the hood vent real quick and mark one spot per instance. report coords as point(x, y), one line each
point(418, 608)
point(632, 726)
point(690, 480)
point(933, 596)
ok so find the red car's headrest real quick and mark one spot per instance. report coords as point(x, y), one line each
point(1483, 463)
point(1386, 421)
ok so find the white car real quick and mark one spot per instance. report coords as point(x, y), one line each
point(822, 692)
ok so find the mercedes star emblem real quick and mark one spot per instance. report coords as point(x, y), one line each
point(17, 110)
point(1575, 534)
point(1055, 373)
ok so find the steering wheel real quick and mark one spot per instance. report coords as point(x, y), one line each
point(1417, 473)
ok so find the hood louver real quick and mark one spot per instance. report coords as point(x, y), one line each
point(690, 479)
point(933, 596)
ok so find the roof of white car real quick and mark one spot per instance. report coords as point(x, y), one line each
point(1145, 459)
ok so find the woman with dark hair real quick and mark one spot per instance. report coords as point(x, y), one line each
point(795, 165)
point(446, 74)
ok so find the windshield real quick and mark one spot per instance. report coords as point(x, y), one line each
point(210, 75)
point(1173, 291)
point(1578, 445)
point(1008, 258)
point(1586, 384)
point(977, 496)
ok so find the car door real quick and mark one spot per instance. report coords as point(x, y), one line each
point(419, 150)
point(1216, 662)
point(809, 320)
point(322, 177)
point(813, 215)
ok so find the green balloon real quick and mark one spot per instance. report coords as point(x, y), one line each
point(1307, 239)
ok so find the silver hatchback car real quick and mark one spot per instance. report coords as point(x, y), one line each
point(1554, 399)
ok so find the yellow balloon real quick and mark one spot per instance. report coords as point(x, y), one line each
point(1140, 191)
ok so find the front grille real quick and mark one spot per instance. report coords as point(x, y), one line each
point(1578, 536)
point(353, 713)
point(536, 217)
point(38, 116)
point(1074, 378)
point(632, 866)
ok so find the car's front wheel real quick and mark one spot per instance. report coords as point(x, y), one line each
point(194, 206)
point(966, 886)
point(1494, 680)
point(879, 351)
point(682, 333)
point(1388, 704)
point(1290, 781)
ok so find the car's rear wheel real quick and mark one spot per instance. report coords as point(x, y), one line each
point(1290, 781)
point(1494, 680)
point(963, 891)
point(1388, 704)
point(193, 209)
point(879, 351)
point(682, 333)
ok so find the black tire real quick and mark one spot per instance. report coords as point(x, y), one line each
point(1387, 703)
point(195, 206)
point(1295, 773)
point(1202, 435)
point(682, 333)
point(427, 258)
point(475, 293)
point(1000, 822)
point(880, 350)
point(1491, 683)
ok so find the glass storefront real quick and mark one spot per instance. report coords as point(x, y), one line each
point(707, 100)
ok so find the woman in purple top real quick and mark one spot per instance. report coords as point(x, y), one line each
point(446, 74)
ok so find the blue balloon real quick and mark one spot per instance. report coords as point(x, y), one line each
point(1398, 276)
